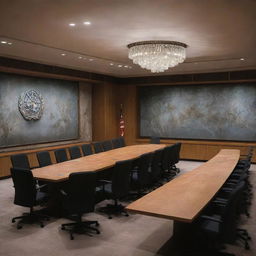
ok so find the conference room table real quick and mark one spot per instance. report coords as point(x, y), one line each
point(183, 198)
point(96, 162)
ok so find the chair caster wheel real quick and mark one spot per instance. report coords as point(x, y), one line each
point(63, 228)
point(247, 247)
point(13, 221)
point(110, 217)
point(97, 224)
point(127, 215)
point(19, 227)
point(97, 232)
point(71, 238)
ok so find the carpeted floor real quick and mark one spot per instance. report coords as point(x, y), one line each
point(136, 235)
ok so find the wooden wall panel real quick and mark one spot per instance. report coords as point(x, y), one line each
point(104, 112)
point(127, 96)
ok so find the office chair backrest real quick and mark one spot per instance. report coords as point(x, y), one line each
point(87, 149)
point(43, 158)
point(97, 147)
point(107, 145)
point(25, 187)
point(156, 164)
point(229, 216)
point(121, 141)
point(74, 152)
point(121, 178)
point(177, 152)
point(81, 192)
point(20, 161)
point(116, 143)
point(172, 152)
point(166, 158)
point(154, 140)
point(143, 168)
point(61, 155)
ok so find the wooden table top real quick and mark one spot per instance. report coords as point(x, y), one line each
point(96, 162)
point(183, 198)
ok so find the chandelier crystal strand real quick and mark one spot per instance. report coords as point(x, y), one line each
point(157, 56)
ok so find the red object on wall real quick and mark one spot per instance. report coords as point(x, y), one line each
point(121, 121)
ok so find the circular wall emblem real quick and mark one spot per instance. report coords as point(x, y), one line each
point(31, 105)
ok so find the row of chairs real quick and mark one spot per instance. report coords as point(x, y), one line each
point(83, 190)
point(44, 158)
point(218, 224)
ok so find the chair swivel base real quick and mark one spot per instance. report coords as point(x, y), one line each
point(30, 218)
point(113, 209)
point(83, 227)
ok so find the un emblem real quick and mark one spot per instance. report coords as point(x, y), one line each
point(31, 105)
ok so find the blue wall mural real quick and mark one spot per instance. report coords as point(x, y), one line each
point(215, 112)
point(59, 119)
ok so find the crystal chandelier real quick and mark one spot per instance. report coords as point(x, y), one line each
point(157, 56)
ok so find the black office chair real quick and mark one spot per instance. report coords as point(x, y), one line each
point(218, 226)
point(44, 158)
point(140, 175)
point(154, 140)
point(117, 188)
point(176, 157)
point(155, 168)
point(77, 199)
point(74, 152)
point(173, 152)
point(107, 145)
point(116, 143)
point(166, 163)
point(87, 149)
point(61, 155)
point(27, 194)
point(121, 141)
point(20, 161)
point(97, 147)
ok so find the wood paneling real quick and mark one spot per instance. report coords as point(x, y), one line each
point(205, 150)
point(5, 161)
point(104, 109)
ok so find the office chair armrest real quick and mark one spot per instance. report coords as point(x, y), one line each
point(63, 192)
point(221, 201)
point(38, 187)
point(226, 189)
point(206, 217)
point(105, 181)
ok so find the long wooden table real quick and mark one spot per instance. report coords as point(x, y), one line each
point(96, 162)
point(183, 198)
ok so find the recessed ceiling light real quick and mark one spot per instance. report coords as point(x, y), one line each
point(90, 59)
point(10, 43)
point(63, 54)
point(3, 42)
point(126, 66)
point(242, 59)
point(87, 23)
point(120, 66)
point(72, 24)
point(111, 64)
point(80, 57)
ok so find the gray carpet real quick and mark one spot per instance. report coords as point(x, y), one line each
point(136, 235)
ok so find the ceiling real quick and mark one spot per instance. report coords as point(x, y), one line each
point(218, 33)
